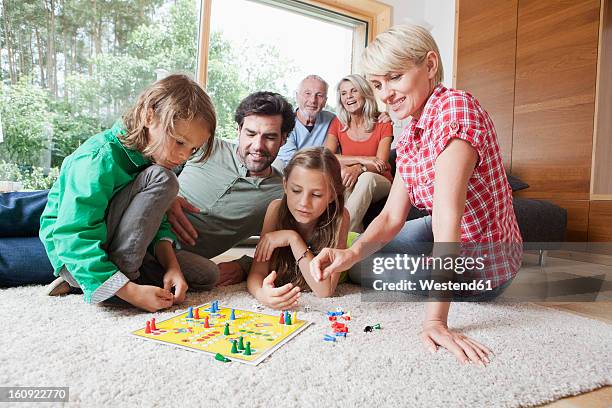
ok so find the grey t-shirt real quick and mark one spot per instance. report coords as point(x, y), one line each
point(232, 205)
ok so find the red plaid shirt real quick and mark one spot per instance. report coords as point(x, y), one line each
point(489, 214)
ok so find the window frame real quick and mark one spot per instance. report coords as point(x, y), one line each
point(377, 16)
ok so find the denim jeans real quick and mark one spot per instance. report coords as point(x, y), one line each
point(23, 259)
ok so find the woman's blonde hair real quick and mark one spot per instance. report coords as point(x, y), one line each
point(399, 48)
point(370, 109)
point(173, 98)
point(327, 230)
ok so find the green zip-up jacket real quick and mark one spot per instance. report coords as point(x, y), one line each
point(73, 225)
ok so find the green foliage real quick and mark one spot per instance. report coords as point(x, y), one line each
point(33, 178)
point(70, 129)
point(25, 121)
point(70, 80)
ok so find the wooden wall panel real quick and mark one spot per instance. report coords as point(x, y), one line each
point(485, 61)
point(602, 153)
point(577, 218)
point(600, 221)
point(556, 57)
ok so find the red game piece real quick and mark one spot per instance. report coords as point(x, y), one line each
point(282, 318)
point(346, 317)
point(153, 324)
point(196, 314)
point(338, 325)
point(332, 318)
point(148, 328)
point(206, 324)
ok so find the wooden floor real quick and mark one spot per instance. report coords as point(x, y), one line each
point(599, 310)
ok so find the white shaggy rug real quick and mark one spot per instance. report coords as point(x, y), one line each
point(541, 355)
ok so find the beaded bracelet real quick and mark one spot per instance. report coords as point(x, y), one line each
point(303, 255)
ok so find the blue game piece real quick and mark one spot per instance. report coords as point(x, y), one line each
point(341, 334)
point(190, 313)
point(233, 315)
point(327, 337)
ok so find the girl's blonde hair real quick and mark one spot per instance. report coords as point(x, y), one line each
point(327, 230)
point(399, 48)
point(173, 98)
point(370, 109)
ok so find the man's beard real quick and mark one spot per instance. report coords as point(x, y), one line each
point(258, 166)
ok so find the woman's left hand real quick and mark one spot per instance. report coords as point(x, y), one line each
point(384, 117)
point(436, 333)
point(270, 241)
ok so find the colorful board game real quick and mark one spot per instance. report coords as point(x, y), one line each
point(240, 335)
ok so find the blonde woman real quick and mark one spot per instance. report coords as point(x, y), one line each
point(365, 145)
point(449, 164)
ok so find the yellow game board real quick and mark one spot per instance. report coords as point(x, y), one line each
point(263, 331)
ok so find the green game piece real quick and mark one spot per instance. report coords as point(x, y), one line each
point(220, 357)
point(376, 326)
point(288, 319)
point(240, 343)
point(247, 350)
point(234, 348)
point(226, 330)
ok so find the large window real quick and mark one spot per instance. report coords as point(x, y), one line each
point(69, 68)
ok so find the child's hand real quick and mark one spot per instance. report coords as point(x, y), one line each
point(173, 278)
point(330, 261)
point(272, 240)
point(146, 297)
point(284, 297)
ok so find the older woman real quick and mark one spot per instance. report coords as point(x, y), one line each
point(365, 146)
point(450, 143)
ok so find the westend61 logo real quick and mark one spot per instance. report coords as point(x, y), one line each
point(412, 264)
point(423, 268)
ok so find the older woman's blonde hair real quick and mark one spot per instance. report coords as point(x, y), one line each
point(173, 98)
point(399, 48)
point(370, 109)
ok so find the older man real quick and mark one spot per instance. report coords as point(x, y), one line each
point(224, 200)
point(312, 121)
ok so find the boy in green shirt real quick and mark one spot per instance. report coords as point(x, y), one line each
point(107, 208)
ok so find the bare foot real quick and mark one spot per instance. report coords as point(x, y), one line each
point(149, 298)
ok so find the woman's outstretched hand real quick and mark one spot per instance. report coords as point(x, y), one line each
point(331, 260)
point(436, 334)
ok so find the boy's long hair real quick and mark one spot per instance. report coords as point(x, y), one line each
point(173, 98)
point(327, 230)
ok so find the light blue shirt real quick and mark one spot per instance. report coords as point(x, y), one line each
point(300, 137)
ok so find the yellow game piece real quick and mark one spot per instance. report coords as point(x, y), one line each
point(295, 316)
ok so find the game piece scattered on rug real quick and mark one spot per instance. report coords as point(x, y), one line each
point(254, 335)
point(222, 358)
point(367, 329)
